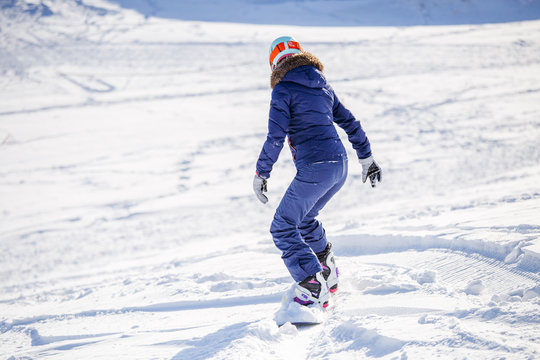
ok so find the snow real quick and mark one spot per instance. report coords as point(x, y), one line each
point(129, 132)
point(294, 313)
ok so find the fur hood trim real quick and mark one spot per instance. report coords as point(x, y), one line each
point(292, 62)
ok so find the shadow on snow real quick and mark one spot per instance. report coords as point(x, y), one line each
point(340, 13)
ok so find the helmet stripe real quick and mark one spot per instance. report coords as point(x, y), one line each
point(289, 45)
point(274, 54)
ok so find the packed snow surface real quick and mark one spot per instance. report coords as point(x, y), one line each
point(129, 132)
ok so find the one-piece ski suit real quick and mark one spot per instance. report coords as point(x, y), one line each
point(304, 108)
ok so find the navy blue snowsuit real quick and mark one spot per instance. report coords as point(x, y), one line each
point(304, 108)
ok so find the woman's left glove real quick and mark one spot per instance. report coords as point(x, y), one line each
point(259, 186)
point(370, 169)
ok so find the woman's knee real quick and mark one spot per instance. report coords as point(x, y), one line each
point(280, 225)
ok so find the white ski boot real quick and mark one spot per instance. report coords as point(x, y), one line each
point(330, 271)
point(312, 290)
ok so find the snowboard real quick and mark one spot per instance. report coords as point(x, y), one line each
point(302, 324)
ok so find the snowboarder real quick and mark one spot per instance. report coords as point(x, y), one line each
point(304, 108)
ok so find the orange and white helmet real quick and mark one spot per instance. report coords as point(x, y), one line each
point(281, 47)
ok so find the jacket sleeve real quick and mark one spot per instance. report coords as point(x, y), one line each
point(353, 128)
point(278, 124)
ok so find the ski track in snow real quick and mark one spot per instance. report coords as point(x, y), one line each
point(128, 143)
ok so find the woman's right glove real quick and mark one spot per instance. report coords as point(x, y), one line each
point(370, 169)
point(259, 186)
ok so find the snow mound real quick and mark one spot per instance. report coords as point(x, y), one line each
point(292, 312)
point(474, 287)
point(358, 338)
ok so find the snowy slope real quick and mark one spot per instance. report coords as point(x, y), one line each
point(129, 133)
point(341, 12)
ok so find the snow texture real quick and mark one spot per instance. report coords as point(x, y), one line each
point(129, 132)
point(294, 313)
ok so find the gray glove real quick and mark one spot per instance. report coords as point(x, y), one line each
point(259, 186)
point(370, 169)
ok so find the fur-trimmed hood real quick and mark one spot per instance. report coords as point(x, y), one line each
point(293, 62)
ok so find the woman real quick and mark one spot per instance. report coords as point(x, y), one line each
point(304, 108)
